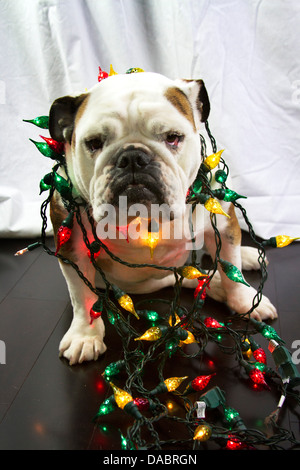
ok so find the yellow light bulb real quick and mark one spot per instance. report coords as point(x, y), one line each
point(126, 302)
point(152, 241)
point(212, 205)
point(213, 160)
point(190, 272)
point(153, 334)
point(202, 433)
point(173, 382)
point(284, 240)
point(190, 339)
point(248, 352)
point(121, 396)
point(111, 71)
point(177, 320)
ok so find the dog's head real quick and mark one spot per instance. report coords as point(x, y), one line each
point(134, 135)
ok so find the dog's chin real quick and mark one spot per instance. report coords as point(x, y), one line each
point(138, 194)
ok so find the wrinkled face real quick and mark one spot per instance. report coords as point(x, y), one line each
point(136, 136)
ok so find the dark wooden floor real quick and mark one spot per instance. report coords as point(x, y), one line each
point(47, 404)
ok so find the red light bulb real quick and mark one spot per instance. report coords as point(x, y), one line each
point(58, 147)
point(199, 288)
point(63, 235)
point(142, 403)
point(257, 377)
point(94, 315)
point(210, 322)
point(260, 355)
point(96, 310)
point(102, 75)
point(234, 444)
point(64, 232)
point(200, 382)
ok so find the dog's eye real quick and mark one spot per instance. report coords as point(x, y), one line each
point(94, 144)
point(173, 140)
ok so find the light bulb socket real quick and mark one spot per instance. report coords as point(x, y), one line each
point(133, 410)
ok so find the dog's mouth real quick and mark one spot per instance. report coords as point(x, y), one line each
point(142, 188)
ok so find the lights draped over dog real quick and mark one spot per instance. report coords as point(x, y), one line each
point(175, 330)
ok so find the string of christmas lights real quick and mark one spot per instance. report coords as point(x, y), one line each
point(167, 334)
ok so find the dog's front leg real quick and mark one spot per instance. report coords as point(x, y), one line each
point(83, 341)
point(239, 297)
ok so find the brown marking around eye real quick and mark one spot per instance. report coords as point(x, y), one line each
point(178, 99)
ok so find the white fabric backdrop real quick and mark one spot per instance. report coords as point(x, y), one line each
point(247, 52)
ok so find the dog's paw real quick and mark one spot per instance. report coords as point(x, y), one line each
point(242, 300)
point(250, 258)
point(79, 346)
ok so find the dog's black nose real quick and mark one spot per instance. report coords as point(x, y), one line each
point(133, 159)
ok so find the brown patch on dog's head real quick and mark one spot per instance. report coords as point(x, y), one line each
point(179, 99)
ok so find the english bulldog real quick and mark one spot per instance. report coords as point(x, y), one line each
point(136, 136)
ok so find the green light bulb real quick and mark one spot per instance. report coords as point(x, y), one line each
point(230, 414)
point(111, 316)
point(46, 182)
point(232, 272)
point(149, 315)
point(45, 150)
point(220, 176)
point(108, 406)
point(197, 186)
point(113, 369)
point(40, 121)
point(265, 330)
point(227, 195)
point(62, 186)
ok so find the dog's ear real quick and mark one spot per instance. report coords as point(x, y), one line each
point(62, 117)
point(198, 97)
